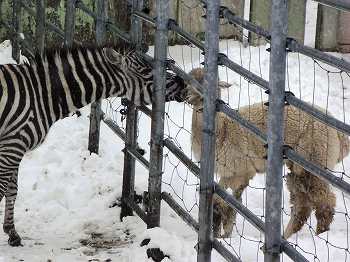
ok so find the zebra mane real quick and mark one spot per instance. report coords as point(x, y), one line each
point(124, 49)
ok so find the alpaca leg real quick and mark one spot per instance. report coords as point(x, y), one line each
point(9, 227)
point(299, 216)
point(301, 205)
point(227, 215)
point(222, 213)
point(217, 216)
point(324, 201)
point(229, 220)
point(324, 215)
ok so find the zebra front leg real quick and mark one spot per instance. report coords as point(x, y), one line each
point(9, 226)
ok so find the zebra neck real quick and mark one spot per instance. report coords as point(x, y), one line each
point(77, 78)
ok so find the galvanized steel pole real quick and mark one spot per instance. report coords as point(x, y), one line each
point(40, 25)
point(96, 113)
point(16, 23)
point(158, 108)
point(131, 125)
point(69, 24)
point(207, 162)
point(275, 130)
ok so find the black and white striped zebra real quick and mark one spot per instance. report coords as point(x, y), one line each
point(33, 96)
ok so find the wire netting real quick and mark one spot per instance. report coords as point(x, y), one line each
point(310, 80)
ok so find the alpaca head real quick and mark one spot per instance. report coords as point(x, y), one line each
point(194, 97)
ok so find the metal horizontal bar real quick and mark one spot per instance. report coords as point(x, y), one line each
point(224, 252)
point(231, 17)
point(144, 17)
point(138, 157)
point(119, 132)
point(234, 115)
point(180, 211)
point(343, 65)
point(244, 72)
point(142, 214)
point(338, 4)
point(319, 115)
point(111, 27)
point(147, 111)
point(185, 216)
point(115, 128)
point(317, 170)
point(244, 211)
point(184, 34)
point(123, 35)
point(174, 27)
point(292, 253)
point(186, 77)
point(182, 157)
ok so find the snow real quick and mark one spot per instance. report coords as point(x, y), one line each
point(63, 208)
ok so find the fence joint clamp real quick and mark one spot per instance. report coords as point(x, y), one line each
point(275, 249)
point(286, 95)
point(291, 44)
point(169, 63)
point(222, 11)
point(221, 58)
point(172, 23)
point(284, 149)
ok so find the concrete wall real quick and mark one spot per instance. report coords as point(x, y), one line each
point(260, 14)
point(344, 32)
point(188, 14)
point(327, 28)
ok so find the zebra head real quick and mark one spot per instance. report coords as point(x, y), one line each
point(132, 62)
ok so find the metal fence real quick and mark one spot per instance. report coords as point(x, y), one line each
point(170, 164)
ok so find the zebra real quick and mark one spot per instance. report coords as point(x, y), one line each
point(35, 95)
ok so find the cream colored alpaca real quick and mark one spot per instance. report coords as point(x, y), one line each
point(240, 156)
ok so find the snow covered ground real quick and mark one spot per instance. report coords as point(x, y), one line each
point(63, 209)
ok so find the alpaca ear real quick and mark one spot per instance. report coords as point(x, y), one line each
point(223, 85)
point(113, 56)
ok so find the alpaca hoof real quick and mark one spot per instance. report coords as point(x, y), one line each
point(15, 240)
point(321, 229)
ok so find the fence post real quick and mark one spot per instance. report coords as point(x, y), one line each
point(158, 108)
point(131, 125)
point(69, 24)
point(207, 162)
point(96, 112)
point(40, 25)
point(16, 23)
point(275, 130)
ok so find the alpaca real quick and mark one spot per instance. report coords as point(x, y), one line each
point(240, 156)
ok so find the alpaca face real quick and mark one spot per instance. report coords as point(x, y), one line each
point(195, 98)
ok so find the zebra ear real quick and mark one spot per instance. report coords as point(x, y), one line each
point(113, 56)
